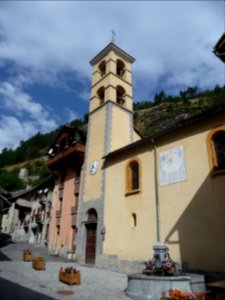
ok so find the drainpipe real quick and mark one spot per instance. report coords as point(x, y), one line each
point(159, 248)
point(156, 191)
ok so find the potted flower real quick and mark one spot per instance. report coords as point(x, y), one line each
point(69, 275)
point(38, 263)
point(27, 254)
point(179, 295)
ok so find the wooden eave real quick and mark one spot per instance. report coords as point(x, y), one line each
point(219, 49)
point(76, 150)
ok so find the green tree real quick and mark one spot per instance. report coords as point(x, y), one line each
point(10, 181)
point(160, 97)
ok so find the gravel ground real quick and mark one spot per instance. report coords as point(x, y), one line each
point(96, 284)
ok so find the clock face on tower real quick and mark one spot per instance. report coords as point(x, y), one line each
point(94, 167)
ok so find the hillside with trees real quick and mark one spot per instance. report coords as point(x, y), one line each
point(150, 117)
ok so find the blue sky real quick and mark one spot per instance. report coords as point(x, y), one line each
point(46, 46)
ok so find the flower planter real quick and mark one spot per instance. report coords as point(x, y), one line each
point(27, 255)
point(69, 278)
point(38, 263)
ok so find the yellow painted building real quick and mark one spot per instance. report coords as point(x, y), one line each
point(128, 181)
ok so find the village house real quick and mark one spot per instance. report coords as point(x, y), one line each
point(66, 155)
point(4, 203)
point(28, 216)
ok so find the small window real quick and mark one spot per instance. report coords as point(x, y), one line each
point(133, 176)
point(216, 150)
point(133, 222)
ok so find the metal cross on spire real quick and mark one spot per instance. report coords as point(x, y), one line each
point(113, 36)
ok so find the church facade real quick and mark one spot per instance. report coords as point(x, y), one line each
point(135, 192)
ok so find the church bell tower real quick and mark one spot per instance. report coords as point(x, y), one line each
point(110, 127)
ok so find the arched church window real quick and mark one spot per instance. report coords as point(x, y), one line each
point(102, 68)
point(120, 68)
point(101, 95)
point(216, 150)
point(120, 95)
point(133, 176)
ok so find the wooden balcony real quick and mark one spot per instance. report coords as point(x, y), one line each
point(65, 153)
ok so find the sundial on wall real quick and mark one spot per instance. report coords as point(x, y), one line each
point(172, 167)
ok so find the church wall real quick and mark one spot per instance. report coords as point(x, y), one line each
point(122, 124)
point(122, 238)
point(191, 209)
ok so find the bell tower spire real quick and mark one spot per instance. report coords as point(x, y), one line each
point(111, 78)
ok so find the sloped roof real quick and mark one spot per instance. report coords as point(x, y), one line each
point(219, 48)
point(181, 124)
point(114, 48)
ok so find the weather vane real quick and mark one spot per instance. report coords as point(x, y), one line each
point(113, 36)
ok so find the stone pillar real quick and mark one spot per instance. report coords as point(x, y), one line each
point(160, 250)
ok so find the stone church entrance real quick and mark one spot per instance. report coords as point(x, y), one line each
point(91, 227)
point(91, 243)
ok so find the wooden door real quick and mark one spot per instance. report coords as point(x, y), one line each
point(91, 243)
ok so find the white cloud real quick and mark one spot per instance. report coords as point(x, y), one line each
point(161, 35)
point(44, 41)
point(19, 103)
point(71, 115)
point(22, 118)
point(12, 131)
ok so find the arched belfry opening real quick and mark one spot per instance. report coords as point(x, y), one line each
point(102, 68)
point(120, 68)
point(101, 95)
point(91, 228)
point(120, 95)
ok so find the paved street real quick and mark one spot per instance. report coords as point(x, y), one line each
point(18, 280)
